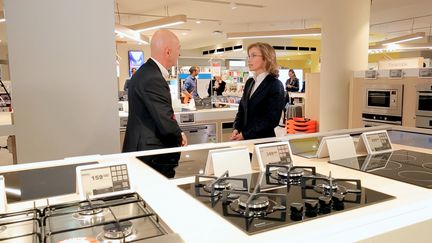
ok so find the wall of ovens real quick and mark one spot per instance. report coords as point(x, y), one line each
point(397, 97)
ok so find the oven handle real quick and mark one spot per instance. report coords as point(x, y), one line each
point(425, 92)
point(382, 121)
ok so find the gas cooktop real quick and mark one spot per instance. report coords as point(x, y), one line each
point(401, 165)
point(281, 196)
point(115, 219)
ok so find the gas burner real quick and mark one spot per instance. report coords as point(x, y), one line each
point(287, 174)
point(259, 207)
point(292, 173)
point(328, 189)
point(255, 203)
point(214, 187)
point(217, 185)
point(117, 232)
point(92, 212)
point(328, 186)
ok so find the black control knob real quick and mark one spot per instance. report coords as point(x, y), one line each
point(311, 208)
point(325, 204)
point(296, 211)
point(338, 201)
point(296, 208)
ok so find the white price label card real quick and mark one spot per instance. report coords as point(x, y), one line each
point(272, 153)
point(3, 198)
point(375, 142)
point(101, 180)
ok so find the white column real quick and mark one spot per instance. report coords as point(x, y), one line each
point(344, 48)
point(62, 68)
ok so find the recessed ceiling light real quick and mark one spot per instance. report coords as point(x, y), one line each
point(184, 33)
point(198, 21)
point(233, 5)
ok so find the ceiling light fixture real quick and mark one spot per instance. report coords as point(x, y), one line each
point(233, 5)
point(128, 33)
point(274, 33)
point(159, 23)
point(401, 39)
point(198, 21)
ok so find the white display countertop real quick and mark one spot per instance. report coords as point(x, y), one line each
point(194, 222)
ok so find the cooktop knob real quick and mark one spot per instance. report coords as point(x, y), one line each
point(338, 201)
point(296, 208)
point(311, 208)
point(296, 211)
point(325, 204)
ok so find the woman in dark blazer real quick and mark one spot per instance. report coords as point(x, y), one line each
point(263, 96)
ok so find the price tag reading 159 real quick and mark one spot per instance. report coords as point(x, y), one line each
point(101, 180)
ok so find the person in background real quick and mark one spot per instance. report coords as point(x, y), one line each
point(216, 86)
point(151, 123)
point(292, 84)
point(263, 97)
point(126, 84)
point(190, 85)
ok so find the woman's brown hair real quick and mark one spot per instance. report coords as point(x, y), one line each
point(268, 55)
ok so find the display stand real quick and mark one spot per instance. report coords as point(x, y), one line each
point(374, 142)
point(270, 153)
point(235, 160)
point(341, 148)
point(322, 151)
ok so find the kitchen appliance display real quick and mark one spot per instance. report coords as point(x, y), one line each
point(401, 165)
point(424, 106)
point(281, 196)
point(383, 103)
point(120, 218)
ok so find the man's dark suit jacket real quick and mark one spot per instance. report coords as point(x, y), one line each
point(151, 121)
point(260, 113)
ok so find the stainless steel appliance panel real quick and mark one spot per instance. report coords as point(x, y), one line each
point(424, 121)
point(424, 100)
point(383, 99)
point(200, 133)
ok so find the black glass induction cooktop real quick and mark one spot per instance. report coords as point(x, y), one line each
point(401, 165)
point(281, 196)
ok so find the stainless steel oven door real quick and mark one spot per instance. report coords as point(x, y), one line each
point(383, 99)
point(424, 103)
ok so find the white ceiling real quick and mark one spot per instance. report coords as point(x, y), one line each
point(217, 15)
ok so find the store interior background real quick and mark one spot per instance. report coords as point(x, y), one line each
point(207, 24)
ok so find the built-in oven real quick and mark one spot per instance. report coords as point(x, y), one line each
point(383, 103)
point(424, 106)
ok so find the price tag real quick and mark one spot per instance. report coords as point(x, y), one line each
point(395, 73)
point(102, 180)
point(375, 142)
point(371, 74)
point(270, 153)
point(425, 73)
point(3, 199)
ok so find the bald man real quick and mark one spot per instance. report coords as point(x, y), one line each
point(151, 122)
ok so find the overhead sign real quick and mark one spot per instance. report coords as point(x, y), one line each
point(402, 63)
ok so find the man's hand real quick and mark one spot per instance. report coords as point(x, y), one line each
point(184, 141)
point(235, 135)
